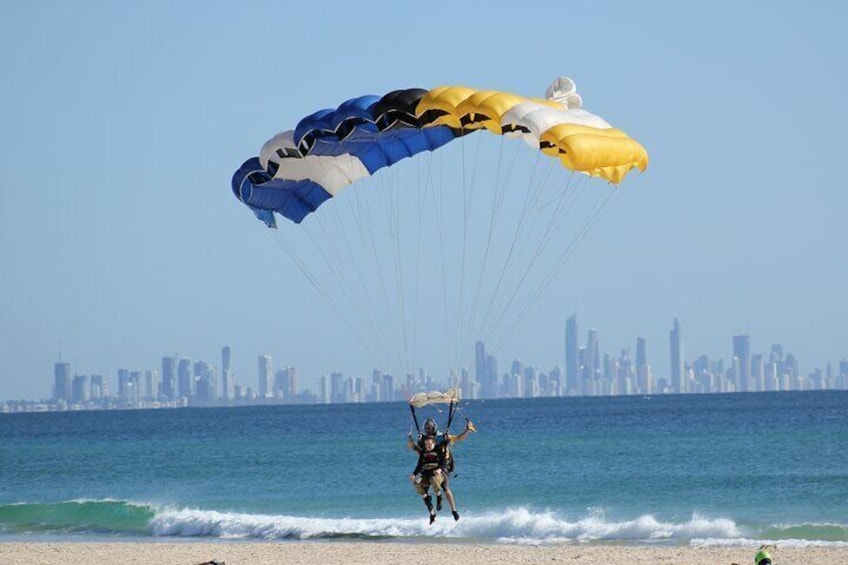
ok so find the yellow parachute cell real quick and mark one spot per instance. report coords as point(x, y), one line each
point(558, 126)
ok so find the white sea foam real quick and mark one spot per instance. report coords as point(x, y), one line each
point(514, 525)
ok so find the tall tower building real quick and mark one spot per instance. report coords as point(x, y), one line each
point(265, 376)
point(79, 388)
point(99, 388)
point(185, 380)
point(325, 389)
point(742, 351)
point(487, 371)
point(226, 374)
point(572, 357)
point(643, 382)
point(124, 386)
point(205, 382)
point(62, 381)
point(151, 384)
point(592, 370)
point(678, 384)
point(337, 391)
point(757, 379)
point(285, 383)
point(641, 352)
point(480, 367)
point(169, 377)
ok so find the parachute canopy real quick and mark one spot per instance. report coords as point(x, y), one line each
point(299, 169)
point(422, 257)
point(422, 399)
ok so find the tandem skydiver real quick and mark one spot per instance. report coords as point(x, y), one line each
point(429, 472)
point(442, 442)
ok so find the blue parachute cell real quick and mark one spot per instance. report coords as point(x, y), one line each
point(352, 131)
point(254, 186)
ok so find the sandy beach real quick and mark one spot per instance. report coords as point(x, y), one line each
point(378, 553)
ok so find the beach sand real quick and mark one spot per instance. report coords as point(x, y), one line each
point(385, 553)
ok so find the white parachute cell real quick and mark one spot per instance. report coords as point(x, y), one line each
point(332, 172)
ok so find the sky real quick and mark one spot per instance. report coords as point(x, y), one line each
point(122, 123)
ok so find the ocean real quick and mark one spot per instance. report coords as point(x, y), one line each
point(718, 469)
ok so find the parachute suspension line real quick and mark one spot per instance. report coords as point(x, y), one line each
point(415, 418)
point(438, 202)
point(332, 264)
point(401, 289)
point(421, 193)
point(417, 265)
point(356, 265)
point(511, 289)
point(369, 310)
point(382, 274)
point(340, 266)
point(516, 237)
point(450, 417)
point(529, 257)
point(361, 220)
point(298, 261)
point(467, 207)
point(599, 208)
point(497, 202)
point(560, 213)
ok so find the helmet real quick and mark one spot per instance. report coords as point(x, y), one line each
point(430, 426)
point(762, 558)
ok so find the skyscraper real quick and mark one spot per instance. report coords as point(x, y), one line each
point(742, 350)
point(124, 384)
point(643, 380)
point(226, 374)
point(169, 372)
point(99, 388)
point(62, 381)
point(572, 357)
point(480, 366)
point(185, 380)
point(79, 388)
point(487, 371)
point(678, 384)
point(265, 373)
point(151, 384)
point(757, 380)
point(641, 352)
point(592, 368)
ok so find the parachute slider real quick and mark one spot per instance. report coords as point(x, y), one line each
point(421, 399)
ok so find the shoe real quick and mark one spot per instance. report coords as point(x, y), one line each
point(439, 503)
point(432, 518)
point(455, 515)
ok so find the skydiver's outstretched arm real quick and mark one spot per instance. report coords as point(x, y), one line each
point(469, 427)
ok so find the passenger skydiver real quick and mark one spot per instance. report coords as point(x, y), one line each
point(443, 441)
point(429, 471)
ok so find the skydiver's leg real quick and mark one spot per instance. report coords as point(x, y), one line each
point(421, 487)
point(452, 502)
point(438, 482)
point(449, 495)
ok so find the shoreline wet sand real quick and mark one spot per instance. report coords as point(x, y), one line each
point(385, 553)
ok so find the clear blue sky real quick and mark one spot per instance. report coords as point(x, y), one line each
point(122, 122)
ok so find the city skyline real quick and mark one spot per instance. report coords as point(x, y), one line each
point(587, 370)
